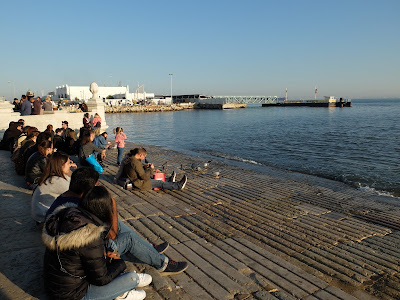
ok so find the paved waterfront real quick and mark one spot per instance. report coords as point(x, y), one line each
point(246, 235)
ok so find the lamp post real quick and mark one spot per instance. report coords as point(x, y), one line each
point(171, 85)
point(13, 86)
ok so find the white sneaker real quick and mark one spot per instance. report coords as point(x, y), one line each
point(132, 295)
point(144, 279)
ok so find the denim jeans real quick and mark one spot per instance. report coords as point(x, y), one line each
point(120, 152)
point(128, 241)
point(167, 185)
point(121, 284)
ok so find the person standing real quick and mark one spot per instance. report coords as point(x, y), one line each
point(37, 107)
point(47, 105)
point(26, 106)
point(120, 138)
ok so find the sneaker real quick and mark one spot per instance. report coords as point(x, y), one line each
point(144, 279)
point(174, 267)
point(172, 177)
point(183, 182)
point(162, 247)
point(132, 295)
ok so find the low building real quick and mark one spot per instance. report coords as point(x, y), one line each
point(69, 92)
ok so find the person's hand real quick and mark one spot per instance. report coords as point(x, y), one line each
point(103, 154)
point(152, 166)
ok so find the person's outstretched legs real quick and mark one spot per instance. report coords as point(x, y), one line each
point(169, 185)
point(128, 241)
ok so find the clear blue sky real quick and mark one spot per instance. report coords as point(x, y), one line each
point(346, 48)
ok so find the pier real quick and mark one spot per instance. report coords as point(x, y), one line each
point(246, 234)
point(327, 102)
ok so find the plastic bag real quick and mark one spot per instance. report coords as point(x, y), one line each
point(94, 163)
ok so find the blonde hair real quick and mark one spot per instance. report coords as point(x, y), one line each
point(118, 130)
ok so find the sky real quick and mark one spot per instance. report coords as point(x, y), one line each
point(255, 48)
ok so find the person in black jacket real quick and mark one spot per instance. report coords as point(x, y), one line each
point(10, 135)
point(87, 150)
point(75, 264)
point(37, 162)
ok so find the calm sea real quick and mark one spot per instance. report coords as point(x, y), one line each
point(357, 145)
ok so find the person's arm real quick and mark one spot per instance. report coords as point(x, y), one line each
point(141, 172)
point(103, 141)
point(123, 136)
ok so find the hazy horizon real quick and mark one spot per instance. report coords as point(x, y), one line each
point(344, 48)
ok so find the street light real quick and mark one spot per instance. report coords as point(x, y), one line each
point(171, 85)
point(13, 86)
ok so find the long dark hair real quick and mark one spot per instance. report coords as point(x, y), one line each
point(44, 145)
point(54, 166)
point(86, 137)
point(98, 201)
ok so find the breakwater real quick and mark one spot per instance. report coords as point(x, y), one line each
point(147, 108)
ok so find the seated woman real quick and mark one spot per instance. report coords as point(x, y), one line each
point(37, 162)
point(96, 121)
point(138, 176)
point(87, 150)
point(75, 266)
point(70, 143)
point(53, 182)
point(50, 130)
point(86, 121)
point(19, 157)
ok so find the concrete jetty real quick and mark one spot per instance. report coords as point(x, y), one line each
point(245, 234)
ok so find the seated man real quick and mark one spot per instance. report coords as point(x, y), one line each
point(121, 237)
point(139, 175)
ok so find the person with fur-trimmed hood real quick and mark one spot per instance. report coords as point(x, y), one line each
point(77, 264)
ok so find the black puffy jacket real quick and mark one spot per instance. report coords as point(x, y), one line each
point(74, 258)
point(35, 167)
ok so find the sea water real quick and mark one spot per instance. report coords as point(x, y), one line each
point(357, 145)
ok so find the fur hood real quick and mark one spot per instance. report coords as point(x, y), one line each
point(70, 227)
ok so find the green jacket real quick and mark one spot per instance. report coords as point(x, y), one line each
point(133, 169)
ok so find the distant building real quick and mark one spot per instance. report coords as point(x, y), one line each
point(69, 92)
point(189, 98)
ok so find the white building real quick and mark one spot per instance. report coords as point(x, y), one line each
point(68, 92)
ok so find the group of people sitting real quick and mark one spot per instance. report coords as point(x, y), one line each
point(29, 105)
point(83, 236)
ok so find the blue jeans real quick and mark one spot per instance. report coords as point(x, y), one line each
point(167, 185)
point(128, 241)
point(120, 152)
point(121, 284)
